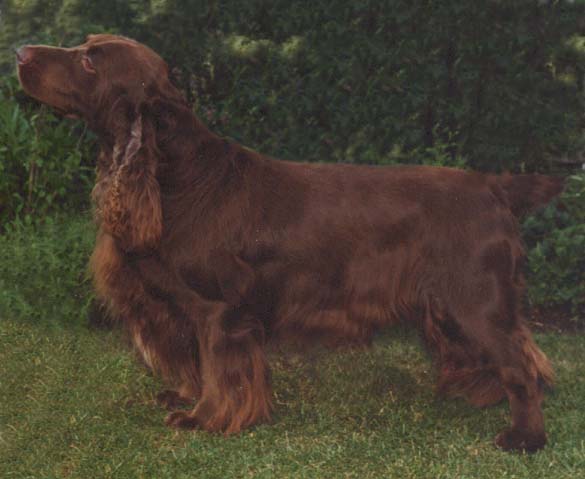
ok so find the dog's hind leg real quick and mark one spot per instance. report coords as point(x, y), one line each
point(523, 370)
point(463, 371)
point(481, 330)
point(486, 363)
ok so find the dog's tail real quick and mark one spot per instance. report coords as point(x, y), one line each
point(525, 193)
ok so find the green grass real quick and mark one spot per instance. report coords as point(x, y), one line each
point(75, 403)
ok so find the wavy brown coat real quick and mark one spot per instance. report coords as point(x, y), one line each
point(207, 250)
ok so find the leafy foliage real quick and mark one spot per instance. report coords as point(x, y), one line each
point(42, 162)
point(556, 241)
point(497, 83)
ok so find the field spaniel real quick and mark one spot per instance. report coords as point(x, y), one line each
point(207, 250)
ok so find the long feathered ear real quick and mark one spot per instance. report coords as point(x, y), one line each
point(131, 207)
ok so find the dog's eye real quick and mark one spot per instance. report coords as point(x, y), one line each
point(87, 64)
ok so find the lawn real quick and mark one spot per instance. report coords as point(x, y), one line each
point(75, 402)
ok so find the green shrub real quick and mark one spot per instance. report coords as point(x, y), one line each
point(362, 81)
point(42, 162)
point(556, 250)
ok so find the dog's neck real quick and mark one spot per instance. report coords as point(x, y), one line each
point(198, 163)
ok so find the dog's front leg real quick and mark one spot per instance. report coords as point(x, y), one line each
point(236, 389)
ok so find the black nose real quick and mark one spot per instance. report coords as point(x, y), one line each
point(24, 55)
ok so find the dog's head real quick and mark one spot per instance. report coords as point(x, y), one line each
point(121, 88)
point(91, 79)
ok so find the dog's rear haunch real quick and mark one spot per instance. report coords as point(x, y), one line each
point(207, 250)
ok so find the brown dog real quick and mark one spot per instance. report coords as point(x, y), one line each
point(206, 249)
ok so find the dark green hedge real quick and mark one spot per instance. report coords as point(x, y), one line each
point(494, 84)
point(555, 240)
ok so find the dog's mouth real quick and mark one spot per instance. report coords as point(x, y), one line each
point(61, 107)
point(31, 79)
point(73, 115)
point(67, 113)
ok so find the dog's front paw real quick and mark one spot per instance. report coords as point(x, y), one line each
point(181, 420)
point(171, 400)
point(520, 441)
